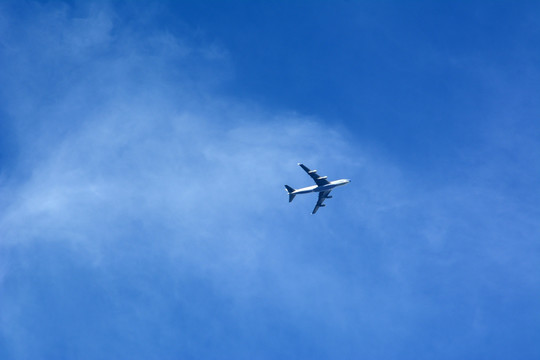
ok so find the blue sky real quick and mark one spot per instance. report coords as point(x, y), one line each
point(144, 149)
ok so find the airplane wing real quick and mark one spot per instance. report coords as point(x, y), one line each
point(322, 196)
point(319, 180)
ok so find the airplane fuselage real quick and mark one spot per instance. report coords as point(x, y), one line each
point(316, 188)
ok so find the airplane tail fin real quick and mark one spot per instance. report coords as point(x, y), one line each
point(290, 190)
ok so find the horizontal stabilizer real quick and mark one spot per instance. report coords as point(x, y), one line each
point(290, 190)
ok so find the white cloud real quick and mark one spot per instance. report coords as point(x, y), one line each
point(129, 155)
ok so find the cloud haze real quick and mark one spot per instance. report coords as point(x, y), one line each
point(145, 215)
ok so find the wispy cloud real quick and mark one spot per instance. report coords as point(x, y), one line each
point(165, 201)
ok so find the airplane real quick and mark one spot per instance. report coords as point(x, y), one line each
point(323, 187)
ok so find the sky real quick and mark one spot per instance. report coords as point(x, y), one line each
point(143, 153)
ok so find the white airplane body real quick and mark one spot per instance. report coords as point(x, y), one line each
point(323, 187)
